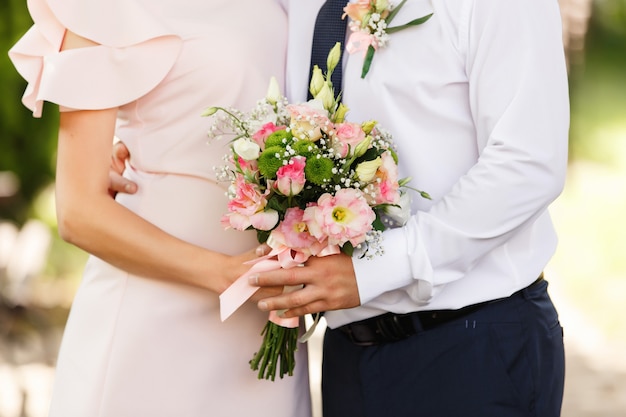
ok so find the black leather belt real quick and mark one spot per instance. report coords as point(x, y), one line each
point(392, 327)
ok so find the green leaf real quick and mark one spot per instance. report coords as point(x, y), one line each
point(414, 22)
point(278, 203)
point(368, 60)
point(369, 155)
point(378, 224)
point(347, 248)
point(262, 235)
point(394, 12)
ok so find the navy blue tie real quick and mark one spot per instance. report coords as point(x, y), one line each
point(329, 29)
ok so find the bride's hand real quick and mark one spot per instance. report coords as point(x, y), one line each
point(239, 267)
point(117, 183)
point(265, 292)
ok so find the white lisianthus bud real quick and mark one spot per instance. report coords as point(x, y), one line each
point(210, 111)
point(326, 97)
point(340, 114)
point(366, 171)
point(333, 57)
point(247, 149)
point(317, 81)
point(273, 91)
point(404, 181)
point(368, 126)
point(362, 147)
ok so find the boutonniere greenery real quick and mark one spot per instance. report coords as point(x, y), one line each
point(369, 24)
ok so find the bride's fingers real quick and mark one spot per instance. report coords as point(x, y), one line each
point(262, 250)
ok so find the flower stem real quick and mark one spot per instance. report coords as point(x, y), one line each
point(277, 351)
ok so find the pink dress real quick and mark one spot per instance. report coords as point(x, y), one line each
point(134, 346)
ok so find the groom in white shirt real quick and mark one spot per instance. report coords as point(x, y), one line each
point(454, 319)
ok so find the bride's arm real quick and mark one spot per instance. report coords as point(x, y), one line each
point(90, 219)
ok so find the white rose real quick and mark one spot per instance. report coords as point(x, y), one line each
point(247, 149)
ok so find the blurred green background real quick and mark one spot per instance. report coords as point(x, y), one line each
point(39, 272)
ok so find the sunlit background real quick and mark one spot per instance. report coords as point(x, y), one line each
point(39, 273)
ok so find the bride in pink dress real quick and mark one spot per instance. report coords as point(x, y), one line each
point(144, 336)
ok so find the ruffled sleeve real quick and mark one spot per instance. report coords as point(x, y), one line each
point(136, 51)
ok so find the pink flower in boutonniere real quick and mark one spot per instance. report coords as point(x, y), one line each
point(369, 23)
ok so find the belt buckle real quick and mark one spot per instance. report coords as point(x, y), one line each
point(395, 327)
point(349, 331)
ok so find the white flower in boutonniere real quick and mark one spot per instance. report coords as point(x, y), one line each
point(370, 28)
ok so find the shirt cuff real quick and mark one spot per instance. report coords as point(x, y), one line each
point(386, 272)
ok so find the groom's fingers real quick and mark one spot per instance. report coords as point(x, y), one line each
point(119, 157)
point(291, 276)
point(119, 184)
point(297, 303)
point(329, 284)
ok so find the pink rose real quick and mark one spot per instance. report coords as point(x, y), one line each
point(309, 120)
point(290, 178)
point(247, 208)
point(267, 129)
point(384, 188)
point(344, 217)
point(248, 167)
point(347, 136)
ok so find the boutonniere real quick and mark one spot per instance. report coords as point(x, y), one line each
point(369, 24)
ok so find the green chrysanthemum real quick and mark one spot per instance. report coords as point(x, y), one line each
point(319, 170)
point(305, 148)
point(276, 139)
point(270, 160)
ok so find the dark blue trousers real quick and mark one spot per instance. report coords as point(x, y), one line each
point(504, 360)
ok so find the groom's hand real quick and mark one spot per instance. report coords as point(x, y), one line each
point(329, 284)
point(117, 183)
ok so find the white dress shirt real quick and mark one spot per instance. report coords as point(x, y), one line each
point(477, 101)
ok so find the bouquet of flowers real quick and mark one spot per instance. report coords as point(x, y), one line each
point(309, 183)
